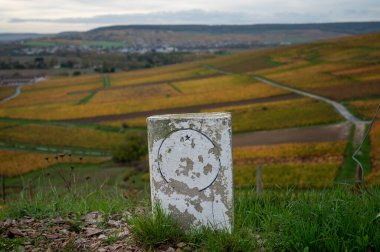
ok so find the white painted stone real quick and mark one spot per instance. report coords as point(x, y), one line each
point(191, 167)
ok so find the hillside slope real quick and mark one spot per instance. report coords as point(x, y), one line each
point(90, 113)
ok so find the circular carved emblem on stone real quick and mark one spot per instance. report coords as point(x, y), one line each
point(188, 156)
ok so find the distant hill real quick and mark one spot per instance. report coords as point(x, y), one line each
point(143, 39)
point(347, 28)
point(119, 32)
point(205, 37)
point(7, 37)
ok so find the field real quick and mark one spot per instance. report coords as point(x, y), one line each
point(374, 176)
point(323, 80)
point(16, 163)
point(364, 108)
point(91, 112)
point(289, 165)
point(6, 91)
point(63, 102)
point(57, 82)
point(341, 69)
point(264, 116)
point(58, 136)
point(345, 70)
point(162, 74)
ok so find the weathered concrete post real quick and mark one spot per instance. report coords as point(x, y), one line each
point(191, 167)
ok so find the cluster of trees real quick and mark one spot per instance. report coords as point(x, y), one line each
point(153, 59)
point(35, 63)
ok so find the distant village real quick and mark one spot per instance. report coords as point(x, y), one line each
point(75, 57)
point(16, 81)
point(139, 48)
point(56, 49)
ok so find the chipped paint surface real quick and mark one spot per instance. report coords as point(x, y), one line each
point(191, 167)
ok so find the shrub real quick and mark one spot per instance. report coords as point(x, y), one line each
point(133, 148)
point(77, 73)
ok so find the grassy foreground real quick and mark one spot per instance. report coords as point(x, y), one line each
point(325, 220)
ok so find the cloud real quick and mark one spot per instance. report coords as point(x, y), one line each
point(180, 17)
point(211, 17)
point(61, 15)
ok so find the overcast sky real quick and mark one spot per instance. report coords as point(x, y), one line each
point(50, 16)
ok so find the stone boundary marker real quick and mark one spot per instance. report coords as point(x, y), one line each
point(191, 173)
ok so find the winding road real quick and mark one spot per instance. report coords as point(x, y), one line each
point(338, 107)
point(19, 87)
point(14, 95)
point(360, 125)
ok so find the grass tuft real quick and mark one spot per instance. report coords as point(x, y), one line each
point(156, 229)
point(60, 203)
point(208, 239)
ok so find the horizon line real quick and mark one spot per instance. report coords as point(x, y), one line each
point(192, 24)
